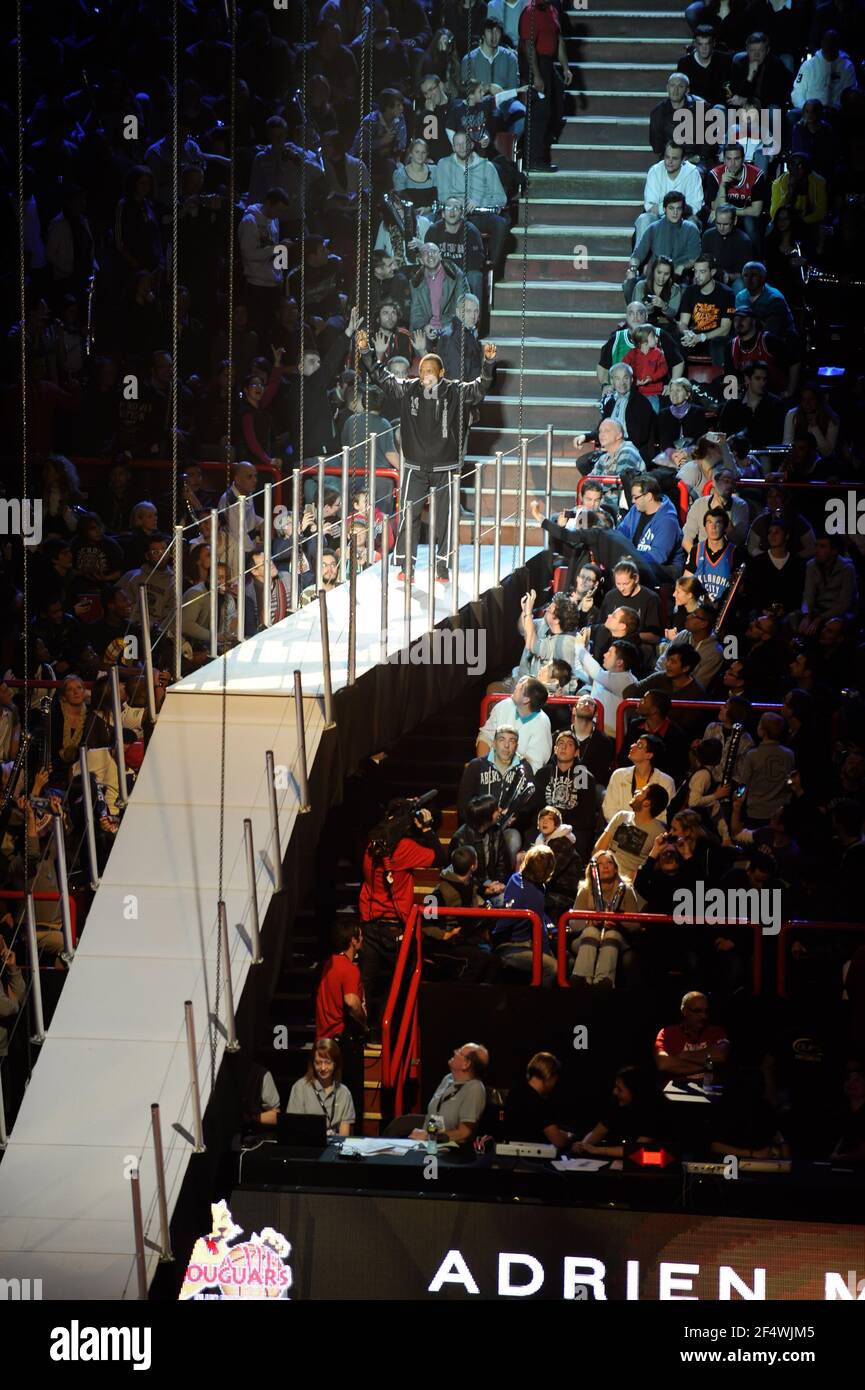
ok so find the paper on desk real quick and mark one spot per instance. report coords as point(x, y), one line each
point(580, 1165)
point(371, 1147)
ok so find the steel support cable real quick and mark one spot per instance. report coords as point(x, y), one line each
point(231, 11)
point(25, 479)
point(527, 172)
point(175, 256)
point(302, 306)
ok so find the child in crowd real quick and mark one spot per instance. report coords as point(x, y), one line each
point(704, 793)
point(648, 364)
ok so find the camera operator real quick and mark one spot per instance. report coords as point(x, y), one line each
point(405, 840)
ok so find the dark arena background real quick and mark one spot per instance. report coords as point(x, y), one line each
point(432, 688)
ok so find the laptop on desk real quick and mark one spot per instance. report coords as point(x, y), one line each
point(307, 1132)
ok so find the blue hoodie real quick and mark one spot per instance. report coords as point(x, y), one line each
point(519, 892)
point(662, 534)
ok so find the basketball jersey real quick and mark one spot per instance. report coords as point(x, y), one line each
point(714, 575)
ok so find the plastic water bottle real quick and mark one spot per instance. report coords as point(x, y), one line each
point(431, 1132)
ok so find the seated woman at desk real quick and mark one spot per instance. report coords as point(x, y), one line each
point(744, 1124)
point(634, 1117)
point(320, 1091)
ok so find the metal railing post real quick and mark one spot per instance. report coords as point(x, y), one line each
point(370, 498)
point(36, 979)
point(231, 1044)
point(329, 721)
point(178, 602)
point(351, 672)
point(385, 594)
point(276, 847)
point(431, 577)
point(138, 1227)
point(254, 923)
point(300, 726)
point(63, 884)
point(319, 543)
point(343, 508)
point(148, 653)
point(454, 545)
point(497, 521)
point(214, 582)
point(548, 472)
point(195, 1090)
point(241, 572)
point(90, 830)
point(476, 532)
point(159, 1159)
point(524, 484)
point(295, 538)
point(119, 749)
point(267, 541)
point(408, 541)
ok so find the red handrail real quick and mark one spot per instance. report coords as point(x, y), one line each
point(657, 919)
point(489, 700)
point(395, 1054)
point(676, 704)
point(794, 924)
point(18, 895)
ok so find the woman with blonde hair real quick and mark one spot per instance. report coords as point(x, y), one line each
point(602, 945)
point(321, 1092)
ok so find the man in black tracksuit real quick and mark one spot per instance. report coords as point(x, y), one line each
point(430, 418)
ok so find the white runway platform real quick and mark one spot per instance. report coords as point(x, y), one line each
point(117, 1041)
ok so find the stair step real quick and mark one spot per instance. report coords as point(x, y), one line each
point(559, 268)
point(557, 324)
point(613, 21)
point(633, 159)
point(588, 184)
point(550, 240)
point(538, 351)
point(542, 295)
point(576, 213)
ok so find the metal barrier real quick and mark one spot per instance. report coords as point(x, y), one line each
point(652, 919)
point(489, 700)
point(707, 705)
point(794, 924)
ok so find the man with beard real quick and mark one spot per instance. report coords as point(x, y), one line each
point(504, 775)
point(567, 784)
point(460, 242)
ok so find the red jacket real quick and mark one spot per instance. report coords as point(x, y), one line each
point(652, 364)
point(377, 899)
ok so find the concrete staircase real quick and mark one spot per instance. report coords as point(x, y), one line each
point(572, 240)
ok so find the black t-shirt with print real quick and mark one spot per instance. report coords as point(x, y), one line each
point(705, 311)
